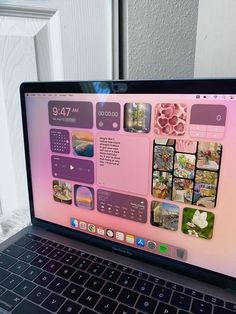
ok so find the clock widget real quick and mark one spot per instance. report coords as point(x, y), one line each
point(108, 116)
point(78, 114)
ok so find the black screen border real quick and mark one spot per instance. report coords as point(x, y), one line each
point(188, 86)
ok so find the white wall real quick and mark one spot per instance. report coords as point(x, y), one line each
point(160, 37)
point(216, 39)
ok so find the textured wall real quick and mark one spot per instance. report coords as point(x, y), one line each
point(161, 38)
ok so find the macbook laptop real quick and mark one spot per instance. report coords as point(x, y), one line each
point(132, 198)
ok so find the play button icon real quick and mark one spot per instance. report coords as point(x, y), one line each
point(72, 167)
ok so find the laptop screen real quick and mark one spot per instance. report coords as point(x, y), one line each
point(151, 171)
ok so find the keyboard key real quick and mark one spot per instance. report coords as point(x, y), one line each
point(80, 277)
point(6, 261)
point(89, 298)
point(111, 290)
point(157, 280)
point(38, 295)
point(82, 254)
point(11, 282)
point(143, 286)
point(44, 279)
point(49, 242)
point(162, 294)
point(231, 306)
point(33, 246)
point(123, 309)
point(127, 280)
point(111, 274)
point(33, 236)
point(58, 285)
point(140, 274)
point(59, 246)
point(14, 250)
point(82, 264)
point(180, 300)
point(69, 259)
point(52, 266)
point(23, 241)
point(69, 250)
point(106, 306)
point(19, 267)
point(201, 307)
point(53, 302)
point(166, 309)
point(56, 254)
point(221, 310)
point(44, 250)
point(43, 240)
point(40, 261)
point(73, 291)
point(128, 297)
point(96, 269)
point(31, 273)
point(213, 300)
point(3, 274)
point(65, 272)
point(8, 300)
point(95, 259)
point(94, 283)
point(28, 256)
point(2, 290)
point(24, 288)
point(146, 304)
point(109, 263)
point(193, 293)
point(174, 286)
point(70, 307)
point(28, 307)
point(124, 269)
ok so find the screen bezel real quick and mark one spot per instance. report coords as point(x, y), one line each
point(191, 86)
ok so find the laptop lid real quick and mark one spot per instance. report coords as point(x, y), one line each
point(145, 168)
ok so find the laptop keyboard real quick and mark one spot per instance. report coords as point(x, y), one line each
point(40, 276)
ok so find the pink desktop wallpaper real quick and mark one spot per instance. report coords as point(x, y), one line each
point(155, 172)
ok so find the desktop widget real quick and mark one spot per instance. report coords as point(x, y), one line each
point(60, 141)
point(84, 197)
point(207, 121)
point(122, 205)
point(186, 171)
point(108, 116)
point(82, 143)
point(74, 114)
point(62, 192)
point(160, 248)
point(198, 223)
point(137, 117)
point(164, 215)
point(75, 169)
point(170, 119)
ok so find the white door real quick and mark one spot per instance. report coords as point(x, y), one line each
point(44, 40)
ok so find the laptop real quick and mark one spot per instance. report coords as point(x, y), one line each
point(131, 191)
